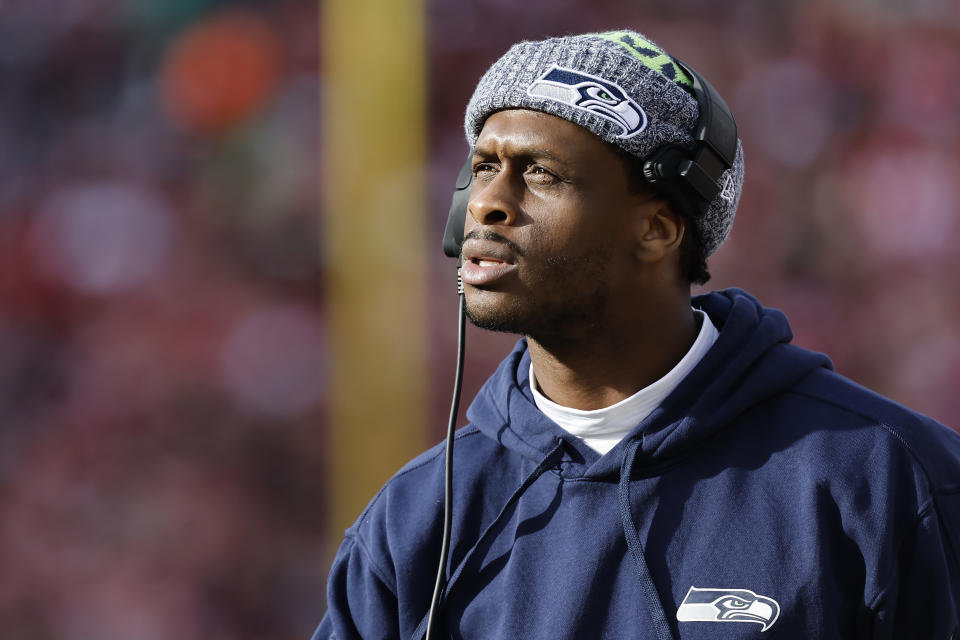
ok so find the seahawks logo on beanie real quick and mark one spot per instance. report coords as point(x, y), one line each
point(603, 97)
point(593, 94)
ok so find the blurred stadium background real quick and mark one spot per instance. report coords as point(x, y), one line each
point(176, 435)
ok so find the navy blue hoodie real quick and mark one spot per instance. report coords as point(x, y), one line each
point(767, 497)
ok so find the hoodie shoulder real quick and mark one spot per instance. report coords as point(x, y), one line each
point(933, 447)
point(415, 478)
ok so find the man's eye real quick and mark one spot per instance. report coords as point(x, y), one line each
point(541, 174)
point(482, 167)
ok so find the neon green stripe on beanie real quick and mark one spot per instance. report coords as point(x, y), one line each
point(649, 54)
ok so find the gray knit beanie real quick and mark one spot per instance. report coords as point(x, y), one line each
point(638, 100)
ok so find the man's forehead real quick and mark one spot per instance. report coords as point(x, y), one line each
point(528, 131)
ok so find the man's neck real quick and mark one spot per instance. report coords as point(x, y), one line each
point(602, 367)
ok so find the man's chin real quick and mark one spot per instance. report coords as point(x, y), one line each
point(501, 320)
point(536, 318)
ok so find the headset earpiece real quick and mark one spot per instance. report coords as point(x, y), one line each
point(453, 233)
point(660, 172)
point(690, 177)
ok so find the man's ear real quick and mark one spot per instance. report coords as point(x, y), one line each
point(659, 231)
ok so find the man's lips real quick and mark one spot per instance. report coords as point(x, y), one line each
point(485, 262)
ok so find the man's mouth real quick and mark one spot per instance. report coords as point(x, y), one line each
point(485, 262)
point(480, 272)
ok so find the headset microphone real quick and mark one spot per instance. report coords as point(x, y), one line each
point(452, 241)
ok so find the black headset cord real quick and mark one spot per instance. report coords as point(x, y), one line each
point(448, 466)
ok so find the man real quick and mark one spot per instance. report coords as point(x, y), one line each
point(639, 467)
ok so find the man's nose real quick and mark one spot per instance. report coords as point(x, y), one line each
point(495, 202)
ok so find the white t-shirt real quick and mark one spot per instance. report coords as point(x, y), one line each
point(602, 429)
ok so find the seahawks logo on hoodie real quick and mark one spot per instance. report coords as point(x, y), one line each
point(728, 605)
point(592, 94)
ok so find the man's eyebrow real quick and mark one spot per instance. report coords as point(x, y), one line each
point(544, 154)
point(527, 153)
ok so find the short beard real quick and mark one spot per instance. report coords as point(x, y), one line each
point(504, 320)
point(552, 319)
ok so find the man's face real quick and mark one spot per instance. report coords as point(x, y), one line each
point(548, 235)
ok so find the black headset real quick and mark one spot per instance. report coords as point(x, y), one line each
point(687, 176)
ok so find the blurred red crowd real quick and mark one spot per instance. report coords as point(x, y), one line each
point(162, 356)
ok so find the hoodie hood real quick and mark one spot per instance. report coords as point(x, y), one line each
point(751, 361)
